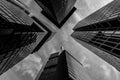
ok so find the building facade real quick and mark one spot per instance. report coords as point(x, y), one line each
point(20, 35)
point(100, 32)
point(55, 68)
point(57, 11)
point(63, 66)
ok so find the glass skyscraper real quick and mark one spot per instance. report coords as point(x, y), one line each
point(57, 11)
point(61, 66)
point(20, 35)
point(100, 32)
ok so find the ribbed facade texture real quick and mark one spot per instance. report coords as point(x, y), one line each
point(20, 35)
point(102, 30)
point(58, 68)
point(75, 68)
point(109, 11)
point(63, 66)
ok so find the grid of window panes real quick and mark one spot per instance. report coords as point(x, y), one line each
point(104, 35)
point(73, 66)
point(109, 11)
point(18, 45)
point(13, 13)
point(50, 69)
point(48, 74)
point(15, 48)
point(14, 54)
point(52, 62)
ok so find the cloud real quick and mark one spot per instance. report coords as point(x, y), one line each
point(31, 66)
point(27, 2)
point(84, 58)
point(107, 70)
point(117, 73)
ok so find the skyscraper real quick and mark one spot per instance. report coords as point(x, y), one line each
point(57, 11)
point(55, 69)
point(20, 35)
point(21, 5)
point(100, 33)
point(61, 66)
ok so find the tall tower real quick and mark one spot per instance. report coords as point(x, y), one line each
point(100, 32)
point(57, 11)
point(55, 69)
point(20, 35)
point(61, 66)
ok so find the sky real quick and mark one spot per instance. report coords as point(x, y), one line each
point(94, 68)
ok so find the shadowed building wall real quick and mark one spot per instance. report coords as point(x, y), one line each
point(58, 11)
point(100, 33)
point(19, 35)
point(56, 68)
point(63, 66)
